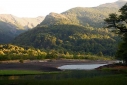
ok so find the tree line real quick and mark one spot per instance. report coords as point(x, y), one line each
point(13, 52)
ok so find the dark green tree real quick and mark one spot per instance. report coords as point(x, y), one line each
point(100, 54)
point(118, 24)
point(52, 55)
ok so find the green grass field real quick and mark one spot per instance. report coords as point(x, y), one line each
point(105, 80)
point(62, 78)
point(18, 72)
point(23, 72)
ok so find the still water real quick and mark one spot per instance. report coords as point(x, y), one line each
point(80, 67)
point(74, 71)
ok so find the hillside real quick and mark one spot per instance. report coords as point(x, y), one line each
point(11, 26)
point(93, 16)
point(70, 38)
point(78, 30)
point(55, 19)
point(80, 16)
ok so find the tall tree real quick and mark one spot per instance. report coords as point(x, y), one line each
point(118, 23)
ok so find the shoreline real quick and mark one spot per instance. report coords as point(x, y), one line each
point(46, 65)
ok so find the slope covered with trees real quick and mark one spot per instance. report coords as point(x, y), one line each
point(84, 16)
point(11, 26)
point(79, 16)
point(70, 38)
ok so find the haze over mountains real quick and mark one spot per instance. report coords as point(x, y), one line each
point(11, 26)
point(25, 23)
point(117, 4)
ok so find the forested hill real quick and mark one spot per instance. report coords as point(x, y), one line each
point(70, 38)
point(93, 16)
point(80, 16)
point(77, 30)
point(11, 26)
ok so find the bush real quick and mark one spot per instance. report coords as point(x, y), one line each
point(21, 61)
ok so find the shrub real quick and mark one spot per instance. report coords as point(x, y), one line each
point(21, 61)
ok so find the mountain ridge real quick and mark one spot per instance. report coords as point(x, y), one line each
point(11, 26)
point(84, 15)
point(117, 4)
point(25, 22)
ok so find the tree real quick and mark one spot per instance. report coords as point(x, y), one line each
point(100, 54)
point(52, 55)
point(119, 25)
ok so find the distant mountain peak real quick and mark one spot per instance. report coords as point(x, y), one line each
point(56, 15)
point(83, 15)
point(117, 4)
point(54, 19)
point(122, 0)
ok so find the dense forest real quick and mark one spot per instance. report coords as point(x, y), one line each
point(71, 39)
point(13, 52)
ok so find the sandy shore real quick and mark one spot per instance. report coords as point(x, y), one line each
point(45, 65)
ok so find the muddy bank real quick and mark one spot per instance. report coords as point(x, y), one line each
point(114, 67)
point(45, 65)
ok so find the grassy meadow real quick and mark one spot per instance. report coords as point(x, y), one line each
point(76, 77)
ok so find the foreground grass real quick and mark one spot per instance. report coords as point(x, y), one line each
point(64, 78)
point(119, 79)
point(22, 72)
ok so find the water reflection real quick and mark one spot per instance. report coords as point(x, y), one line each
point(80, 67)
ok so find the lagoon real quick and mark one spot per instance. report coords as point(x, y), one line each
point(80, 67)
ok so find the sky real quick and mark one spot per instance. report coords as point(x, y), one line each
point(34, 8)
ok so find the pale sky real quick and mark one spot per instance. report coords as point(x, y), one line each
point(34, 8)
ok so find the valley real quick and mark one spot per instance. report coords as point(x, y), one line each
point(49, 50)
